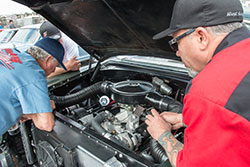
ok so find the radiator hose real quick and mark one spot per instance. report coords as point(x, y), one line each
point(157, 151)
point(96, 123)
point(163, 103)
point(78, 97)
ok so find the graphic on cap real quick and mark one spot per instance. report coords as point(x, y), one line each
point(195, 13)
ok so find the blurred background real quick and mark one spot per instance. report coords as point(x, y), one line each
point(21, 15)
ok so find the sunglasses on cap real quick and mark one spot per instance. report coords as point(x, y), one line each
point(174, 42)
point(56, 36)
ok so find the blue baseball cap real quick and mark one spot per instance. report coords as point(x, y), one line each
point(53, 47)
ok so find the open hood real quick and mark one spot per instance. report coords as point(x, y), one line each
point(110, 27)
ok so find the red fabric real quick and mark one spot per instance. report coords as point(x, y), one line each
point(216, 136)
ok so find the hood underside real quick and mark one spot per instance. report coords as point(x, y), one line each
point(111, 27)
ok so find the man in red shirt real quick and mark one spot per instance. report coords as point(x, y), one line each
point(211, 40)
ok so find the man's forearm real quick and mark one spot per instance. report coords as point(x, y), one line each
point(58, 71)
point(171, 146)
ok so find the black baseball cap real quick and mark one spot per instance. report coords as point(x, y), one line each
point(195, 13)
point(50, 30)
point(53, 47)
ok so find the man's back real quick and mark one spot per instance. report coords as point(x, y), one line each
point(23, 88)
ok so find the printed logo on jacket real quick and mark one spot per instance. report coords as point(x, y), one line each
point(7, 57)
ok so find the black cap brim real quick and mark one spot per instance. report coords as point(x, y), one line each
point(163, 34)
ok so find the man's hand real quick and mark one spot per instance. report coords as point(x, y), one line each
point(73, 64)
point(174, 119)
point(156, 125)
point(43, 121)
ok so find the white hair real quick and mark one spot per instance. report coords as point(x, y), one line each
point(38, 53)
point(224, 28)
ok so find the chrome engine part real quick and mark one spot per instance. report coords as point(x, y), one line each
point(123, 125)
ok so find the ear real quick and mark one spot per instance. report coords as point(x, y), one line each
point(48, 60)
point(202, 38)
point(44, 34)
point(60, 40)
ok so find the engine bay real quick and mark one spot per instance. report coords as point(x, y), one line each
point(99, 125)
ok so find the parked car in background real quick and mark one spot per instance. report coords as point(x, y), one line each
point(247, 23)
point(24, 38)
point(246, 13)
point(28, 36)
point(7, 34)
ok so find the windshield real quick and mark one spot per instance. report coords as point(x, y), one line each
point(5, 36)
point(246, 13)
point(248, 26)
point(28, 36)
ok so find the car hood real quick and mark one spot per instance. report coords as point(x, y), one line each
point(106, 28)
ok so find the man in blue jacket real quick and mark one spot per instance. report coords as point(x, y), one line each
point(23, 84)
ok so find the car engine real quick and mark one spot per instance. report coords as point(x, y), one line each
point(98, 125)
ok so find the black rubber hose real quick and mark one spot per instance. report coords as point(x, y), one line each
point(96, 123)
point(157, 151)
point(163, 103)
point(157, 101)
point(78, 97)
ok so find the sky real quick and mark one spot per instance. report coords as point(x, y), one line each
point(8, 7)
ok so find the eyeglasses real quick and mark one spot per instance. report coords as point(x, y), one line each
point(174, 42)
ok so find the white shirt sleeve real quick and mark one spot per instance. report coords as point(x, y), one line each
point(70, 48)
